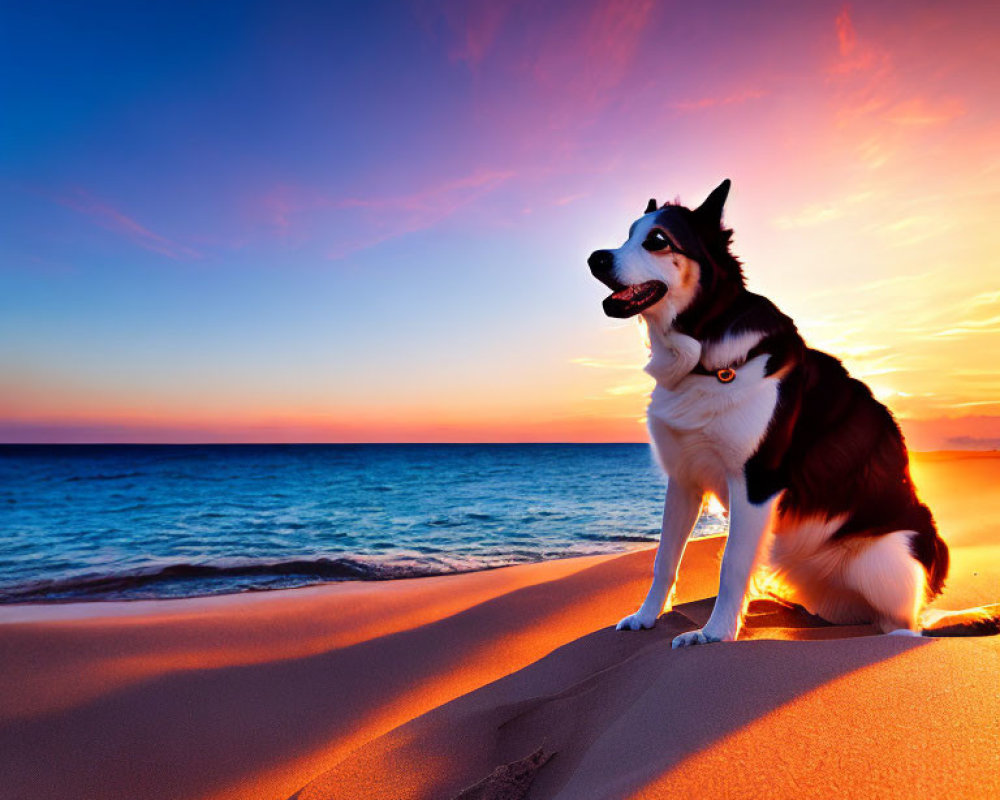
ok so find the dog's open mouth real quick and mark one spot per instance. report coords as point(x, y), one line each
point(631, 300)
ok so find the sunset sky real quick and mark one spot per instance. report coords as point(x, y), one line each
point(370, 221)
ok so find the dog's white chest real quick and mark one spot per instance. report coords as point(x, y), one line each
point(704, 429)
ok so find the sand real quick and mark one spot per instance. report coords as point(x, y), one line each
point(494, 684)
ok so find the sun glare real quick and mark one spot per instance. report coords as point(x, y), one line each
point(713, 505)
point(644, 333)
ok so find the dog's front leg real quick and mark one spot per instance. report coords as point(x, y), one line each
point(749, 526)
point(680, 512)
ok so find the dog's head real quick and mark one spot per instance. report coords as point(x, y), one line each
point(675, 264)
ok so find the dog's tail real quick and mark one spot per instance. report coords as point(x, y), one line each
point(982, 621)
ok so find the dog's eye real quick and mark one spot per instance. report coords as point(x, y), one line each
point(656, 240)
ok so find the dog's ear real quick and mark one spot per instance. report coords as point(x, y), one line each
point(711, 209)
point(650, 206)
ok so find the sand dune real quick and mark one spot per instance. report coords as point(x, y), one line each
point(423, 688)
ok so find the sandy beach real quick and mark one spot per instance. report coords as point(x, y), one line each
point(424, 688)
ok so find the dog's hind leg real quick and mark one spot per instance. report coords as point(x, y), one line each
point(891, 581)
point(680, 512)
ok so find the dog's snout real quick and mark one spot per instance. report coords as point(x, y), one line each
point(602, 267)
point(601, 263)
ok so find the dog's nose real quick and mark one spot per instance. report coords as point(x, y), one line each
point(601, 262)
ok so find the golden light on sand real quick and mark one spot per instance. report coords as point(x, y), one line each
point(768, 585)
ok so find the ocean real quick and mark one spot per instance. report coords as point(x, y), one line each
point(114, 522)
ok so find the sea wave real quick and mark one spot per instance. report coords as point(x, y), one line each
point(117, 476)
point(264, 572)
point(653, 537)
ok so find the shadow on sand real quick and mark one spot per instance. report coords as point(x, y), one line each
point(357, 716)
point(623, 698)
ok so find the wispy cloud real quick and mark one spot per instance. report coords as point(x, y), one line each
point(570, 198)
point(810, 216)
point(581, 61)
point(474, 26)
point(703, 103)
point(871, 286)
point(984, 299)
point(972, 327)
point(401, 214)
point(919, 112)
point(597, 364)
point(432, 202)
point(973, 442)
point(293, 212)
point(629, 389)
point(854, 55)
point(279, 205)
point(821, 213)
point(110, 218)
point(873, 92)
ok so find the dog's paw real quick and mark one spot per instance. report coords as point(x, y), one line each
point(695, 637)
point(638, 621)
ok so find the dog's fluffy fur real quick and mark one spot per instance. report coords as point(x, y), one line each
point(812, 467)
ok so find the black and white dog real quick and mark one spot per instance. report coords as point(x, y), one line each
point(813, 469)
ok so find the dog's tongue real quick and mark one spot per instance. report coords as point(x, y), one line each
point(632, 299)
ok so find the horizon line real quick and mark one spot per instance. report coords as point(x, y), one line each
point(393, 444)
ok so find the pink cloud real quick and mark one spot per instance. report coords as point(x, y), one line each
point(291, 211)
point(863, 73)
point(436, 201)
point(570, 198)
point(418, 210)
point(919, 112)
point(582, 65)
point(542, 81)
point(475, 27)
point(873, 89)
point(278, 205)
point(114, 220)
point(711, 102)
point(853, 55)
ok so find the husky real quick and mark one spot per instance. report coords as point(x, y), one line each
point(812, 468)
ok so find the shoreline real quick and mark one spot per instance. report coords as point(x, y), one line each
point(51, 611)
point(317, 584)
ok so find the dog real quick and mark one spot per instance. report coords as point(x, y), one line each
point(813, 469)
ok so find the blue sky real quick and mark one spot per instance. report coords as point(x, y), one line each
point(369, 221)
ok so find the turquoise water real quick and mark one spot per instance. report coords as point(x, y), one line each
point(141, 521)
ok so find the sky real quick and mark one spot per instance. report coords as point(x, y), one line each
point(370, 221)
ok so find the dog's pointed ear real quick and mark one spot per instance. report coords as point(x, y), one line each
point(711, 209)
point(650, 206)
